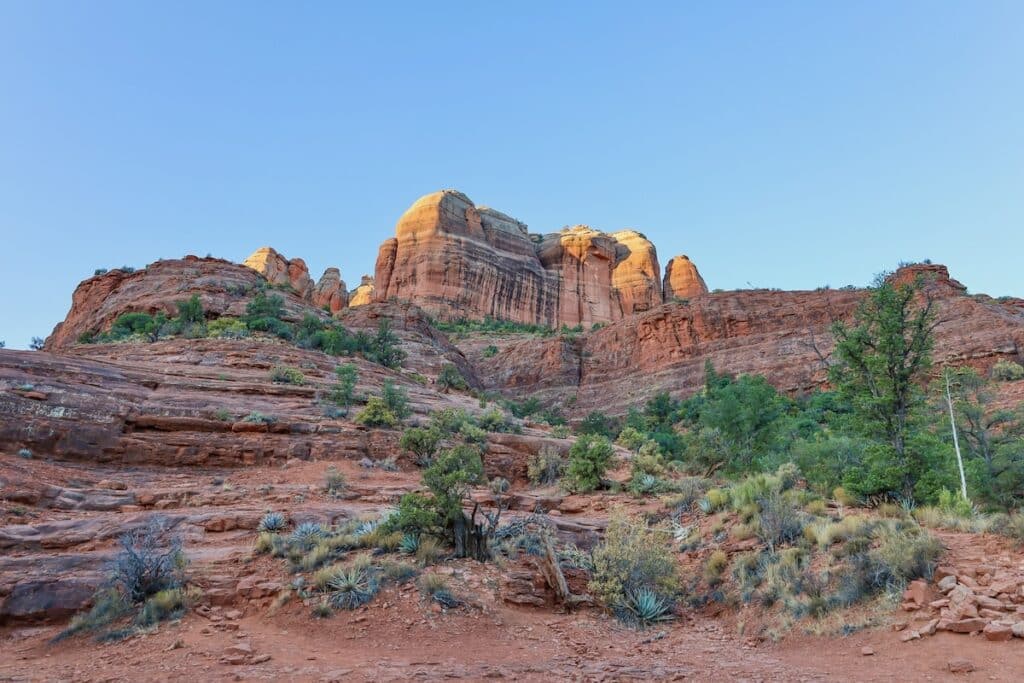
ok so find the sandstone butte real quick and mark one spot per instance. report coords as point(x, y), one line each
point(455, 260)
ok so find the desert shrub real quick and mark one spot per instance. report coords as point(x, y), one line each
point(416, 516)
point(306, 535)
point(490, 351)
point(589, 459)
point(450, 378)
point(494, 420)
point(423, 443)
point(273, 522)
point(472, 434)
point(449, 421)
point(227, 328)
point(632, 558)
point(396, 399)
point(190, 311)
point(902, 554)
point(150, 562)
point(266, 542)
point(376, 414)
point(840, 495)
point(429, 551)
point(545, 467)
point(688, 491)
point(714, 500)
point(258, 418)
point(780, 523)
point(383, 347)
point(715, 566)
point(560, 431)
point(1007, 371)
point(598, 423)
point(398, 572)
point(954, 504)
point(169, 603)
point(334, 481)
point(342, 394)
point(284, 375)
point(25, 453)
point(351, 587)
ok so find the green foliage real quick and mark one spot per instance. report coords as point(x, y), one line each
point(258, 418)
point(633, 557)
point(489, 325)
point(545, 467)
point(351, 587)
point(285, 375)
point(883, 358)
point(273, 522)
point(600, 424)
point(396, 399)
point(384, 347)
point(334, 481)
point(449, 478)
point(490, 351)
point(227, 327)
point(1007, 371)
point(342, 394)
point(190, 311)
point(376, 414)
point(589, 459)
point(645, 607)
point(423, 443)
point(450, 378)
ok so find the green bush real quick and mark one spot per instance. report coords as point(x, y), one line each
point(545, 467)
point(490, 351)
point(284, 375)
point(1007, 371)
point(589, 459)
point(227, 328)
point(422, 443)
point(396, 399)
point(190, 311)
point(450, 378)
point(383, 348)
point(342, 394)
point(376, 414)
point(633, 557)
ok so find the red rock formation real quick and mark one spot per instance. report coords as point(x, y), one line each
point(682, 281)
point(281, 271)
point(459, 260)
point(363, 294)
point(223, 288)
point(782, 335)
point(330, 292)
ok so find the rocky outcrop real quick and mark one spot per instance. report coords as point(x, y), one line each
point(223, 288)
point(458, 260)
point(281, 271)
point(682, 281)
point(363, 294)
point(330, 292)
point(784, 336)
point(636, 276)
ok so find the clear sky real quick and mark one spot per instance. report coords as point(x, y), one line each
point(779, 144)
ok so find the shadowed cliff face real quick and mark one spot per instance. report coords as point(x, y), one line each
point(458, 260)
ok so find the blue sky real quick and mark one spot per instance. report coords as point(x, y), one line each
point(783, 144)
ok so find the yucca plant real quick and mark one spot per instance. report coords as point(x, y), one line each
point(306, 535)
point(351, 588)
point(410, 544)
point(646, 607)
point(273, 521)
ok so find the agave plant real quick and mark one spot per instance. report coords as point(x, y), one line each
point(273, 521)
point(706, 506)
point(647, 607)
point(648, 482)
point(410, 544)
point(306, 535)
point(680, 533)
point(351, 588)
